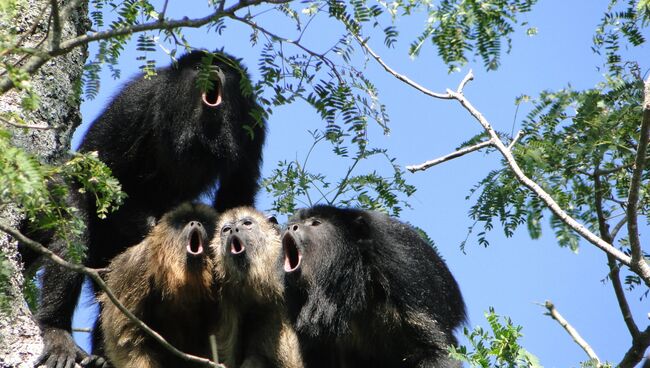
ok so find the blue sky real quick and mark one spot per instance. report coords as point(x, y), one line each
point(513, 275)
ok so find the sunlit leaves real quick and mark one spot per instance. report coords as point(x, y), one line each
point(41, 192)
point(496, 347)
point(621, 23)
point(569, 137)
point(459, 28)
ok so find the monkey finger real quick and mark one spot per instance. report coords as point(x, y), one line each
point(69, 362)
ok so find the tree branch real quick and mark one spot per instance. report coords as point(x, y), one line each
point(572, 331)
point(638, 262)
point(507, 154)
point(460, 152)
point(37, 61)
point(634, 355)
point(94, 275)
point(404, 78)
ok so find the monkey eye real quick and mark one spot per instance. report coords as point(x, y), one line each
point(248, 222)
point(315, 222)
point(226, 229)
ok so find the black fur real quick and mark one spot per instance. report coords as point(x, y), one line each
point(365, 290)
point(165, 146)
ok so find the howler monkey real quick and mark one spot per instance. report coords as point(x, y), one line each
point(252, 302)
point(365, 290)
point(168, 282)
point(166, 142)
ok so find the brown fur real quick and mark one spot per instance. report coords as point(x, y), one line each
point(169, 289)
point(254, 321)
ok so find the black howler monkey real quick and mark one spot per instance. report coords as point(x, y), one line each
point(166, 142)
point(365, 290)
point(168, 282)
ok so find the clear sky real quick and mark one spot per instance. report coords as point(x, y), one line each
point(513, 275)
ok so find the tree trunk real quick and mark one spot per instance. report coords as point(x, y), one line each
point(58, 86)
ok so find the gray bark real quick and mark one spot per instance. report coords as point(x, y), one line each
point(57, 85)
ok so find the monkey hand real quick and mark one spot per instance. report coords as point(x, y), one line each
point(95, 361)
point(60, 350)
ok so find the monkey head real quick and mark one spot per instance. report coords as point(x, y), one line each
point(178, 245)
point(323, 260)
point(248, 247)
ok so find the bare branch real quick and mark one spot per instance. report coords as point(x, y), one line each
point(468, 77)
point(638, 262)
point(572, 331)
point(515, 139)
point(94, 275)
point(614, 274)
point(615, 278)
point(460, 152)
point(401, 77)
point(618, 227)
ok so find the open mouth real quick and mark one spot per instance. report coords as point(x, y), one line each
point(292, 254)
point(236, 245)
point(195, 245)
point(214, 97)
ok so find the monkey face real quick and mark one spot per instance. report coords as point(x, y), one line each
point(194, 224)
point(248, 246)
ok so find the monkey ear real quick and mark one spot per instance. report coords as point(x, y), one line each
point(361, 227)
point(272, 219)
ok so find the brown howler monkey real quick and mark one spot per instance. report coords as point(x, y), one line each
point(168, 282)
point(253, 316)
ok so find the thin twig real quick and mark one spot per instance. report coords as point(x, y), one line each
point(402, 77)
point(82, 329)
point(572, 331)
point(94, 275)
point(27, 126)
point(455, 154)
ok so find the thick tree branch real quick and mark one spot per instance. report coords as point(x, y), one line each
point(572, 331)
point(455, 154)
point(37, 61)
point(639, 264)
point(94, 275)
point(635, 354)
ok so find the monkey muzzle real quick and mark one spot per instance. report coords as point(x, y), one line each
point(196, 239)
point(235, 245)
point(214, 97)
point(292, 255)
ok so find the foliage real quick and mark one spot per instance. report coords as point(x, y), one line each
point(579, 146)
point(40, 191)
point(497, 347)
point(292, 183)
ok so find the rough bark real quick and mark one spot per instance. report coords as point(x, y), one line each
point(57, 85)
